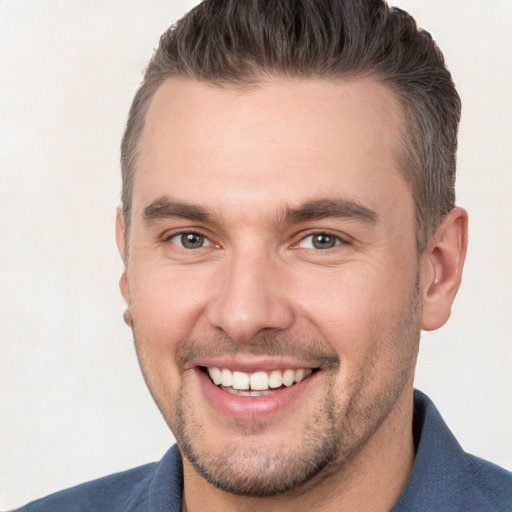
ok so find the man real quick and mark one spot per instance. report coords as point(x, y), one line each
point(288, 226)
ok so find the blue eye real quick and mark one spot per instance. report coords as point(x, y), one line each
point(320, 241)
point(189, 240)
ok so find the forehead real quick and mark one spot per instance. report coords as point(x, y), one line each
point(295, 138)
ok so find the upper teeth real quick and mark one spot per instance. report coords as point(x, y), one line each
point(257, 381)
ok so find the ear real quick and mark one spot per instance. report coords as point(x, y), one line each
point(121, 246)
point(442, 264)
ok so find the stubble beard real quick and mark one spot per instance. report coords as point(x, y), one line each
point(330, 439)
point(258, 471)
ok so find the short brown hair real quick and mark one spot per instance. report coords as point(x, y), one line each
point(242, 42)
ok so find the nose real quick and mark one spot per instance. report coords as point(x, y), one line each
point(251, 298)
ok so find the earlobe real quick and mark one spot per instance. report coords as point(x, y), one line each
point(442, 264)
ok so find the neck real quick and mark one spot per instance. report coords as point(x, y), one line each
point(371, 481)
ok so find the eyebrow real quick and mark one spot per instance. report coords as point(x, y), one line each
point(334, 208)
point(166, 207)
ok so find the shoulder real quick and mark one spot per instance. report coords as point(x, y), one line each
point(444, 477)
point(488, 484)
point(128, 491)
point(113, 492)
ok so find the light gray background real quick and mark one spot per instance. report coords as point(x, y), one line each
point(73, 405)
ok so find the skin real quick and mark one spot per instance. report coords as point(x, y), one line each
point(259, 294)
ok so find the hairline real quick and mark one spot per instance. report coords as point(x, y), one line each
point(404, 156)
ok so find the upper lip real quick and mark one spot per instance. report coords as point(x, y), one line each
point(251, 364)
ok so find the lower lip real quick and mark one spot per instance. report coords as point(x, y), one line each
point(252, 407)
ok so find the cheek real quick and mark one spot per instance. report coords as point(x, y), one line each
point(165, 306)
point(357, 310)
point(338, 301)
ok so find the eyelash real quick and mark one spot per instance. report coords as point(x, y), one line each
point(169, 238)
point(337, 240)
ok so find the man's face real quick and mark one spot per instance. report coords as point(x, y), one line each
point(272, 241)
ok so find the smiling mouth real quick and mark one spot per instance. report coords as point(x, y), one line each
point(255, 384)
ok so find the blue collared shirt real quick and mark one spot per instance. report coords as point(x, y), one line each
point(443, 479)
